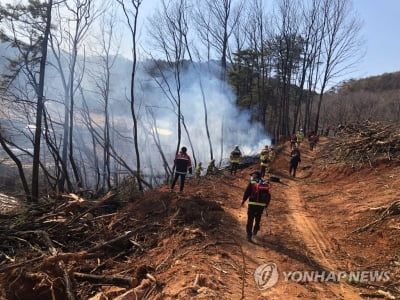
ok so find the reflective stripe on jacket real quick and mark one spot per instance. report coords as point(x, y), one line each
point(264, 157)
point(257, 203)
point(182, 163)
point(235, 156)
point(250, 193)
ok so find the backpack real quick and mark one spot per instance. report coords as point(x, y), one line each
point(261, 192)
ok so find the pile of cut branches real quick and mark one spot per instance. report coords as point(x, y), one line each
point(364, 143)
point(52, 249)
point(74, 248)
point(384, 212)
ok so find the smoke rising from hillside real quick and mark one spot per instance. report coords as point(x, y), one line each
point(157, 113)
point(157, 116)
point(227, 125)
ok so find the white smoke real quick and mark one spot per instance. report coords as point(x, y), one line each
point(227, 124)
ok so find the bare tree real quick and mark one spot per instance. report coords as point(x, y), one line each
point(286, 46)
point(341, 44)
point(216, 20)
point(310, 41)
point(256, 30)
point(132, 24)
point(153, 132)
point(107, 55)
point(169, 29)
point(183, 30)
point(32, 44)
point(4, 143)
point(75, 18)
point(40, 106)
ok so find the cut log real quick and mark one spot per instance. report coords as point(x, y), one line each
point(106, 279)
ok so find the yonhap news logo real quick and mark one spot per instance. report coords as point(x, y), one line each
point(331, 276)
point(267, 275)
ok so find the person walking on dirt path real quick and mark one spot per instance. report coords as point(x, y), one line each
point(310, 132)
point(300, 137)
point(271, 156)
point(313, 141)
point(211, 168)
point(293, 141)
point(294, 161)
point(235, 157)
point(264, 160)
point(258, 202)
point(183, 164)
point(198, 169)
point(295, 151)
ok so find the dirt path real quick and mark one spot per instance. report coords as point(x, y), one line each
point(318, 244)
point(292, 240)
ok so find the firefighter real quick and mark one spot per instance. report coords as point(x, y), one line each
point(271, 154)
point(264, 160)
point(293, 141)
point(198, 170)
point(257, 191)
point(235, 158)
point(294, 161)
point(183, 164)
point(211, 168)
point(300, 137)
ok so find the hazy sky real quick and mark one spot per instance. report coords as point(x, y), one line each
point(381, 31)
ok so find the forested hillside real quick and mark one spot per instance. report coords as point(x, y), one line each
point(382, 83)
point(374, 98)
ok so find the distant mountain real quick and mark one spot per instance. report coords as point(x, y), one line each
point(384, 82)
point(373, 98)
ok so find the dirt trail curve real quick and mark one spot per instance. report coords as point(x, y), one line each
point(292, 238)
point(319, 245)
